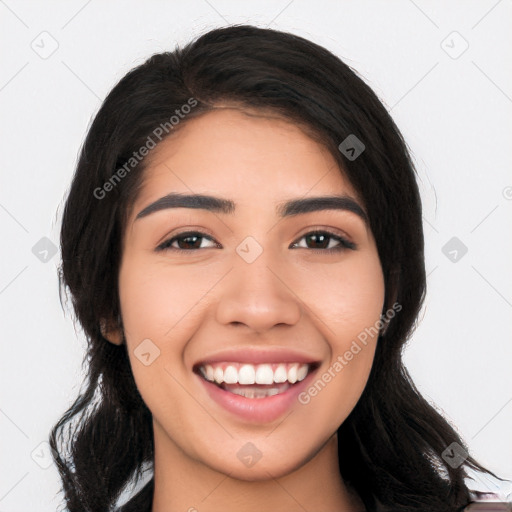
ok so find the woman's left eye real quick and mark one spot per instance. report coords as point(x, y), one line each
point(320, 238)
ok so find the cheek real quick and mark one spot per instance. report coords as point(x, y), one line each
point(347, 301)
point(158, 301)
point(162, 307)
point(347, 296)
point(157, 305)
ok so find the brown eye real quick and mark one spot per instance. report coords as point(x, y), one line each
point(186, 242)
point(324, 240)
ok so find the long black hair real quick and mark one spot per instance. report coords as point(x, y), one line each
point(391, 445)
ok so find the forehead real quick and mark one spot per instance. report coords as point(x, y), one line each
point(250, 157)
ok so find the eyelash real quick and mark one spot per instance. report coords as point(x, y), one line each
point(343, 242)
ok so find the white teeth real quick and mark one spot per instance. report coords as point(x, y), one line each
point(302, 372)
point(218, 375)
point(230, 375)
point(208, 372)
point(255, 393)
point(281, 375)
point(247, 374)
point(264, 374)
point(292, 373)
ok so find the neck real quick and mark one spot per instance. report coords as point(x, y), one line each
point(186, 484)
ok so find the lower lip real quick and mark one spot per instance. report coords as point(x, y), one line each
point(257, 410)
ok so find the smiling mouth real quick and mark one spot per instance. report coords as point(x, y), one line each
point(254, 381)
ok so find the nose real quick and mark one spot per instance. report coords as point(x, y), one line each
point(258, 295)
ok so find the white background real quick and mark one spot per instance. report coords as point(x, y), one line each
point(455, 114)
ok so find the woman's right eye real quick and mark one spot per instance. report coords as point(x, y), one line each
point(188, 241)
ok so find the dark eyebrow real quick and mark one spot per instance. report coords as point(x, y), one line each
point(312, 204)
point(203, 202)
point(226, 206)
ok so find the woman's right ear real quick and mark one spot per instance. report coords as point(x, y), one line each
point(112, 331)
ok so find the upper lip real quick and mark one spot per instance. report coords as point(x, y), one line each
point(258, 356)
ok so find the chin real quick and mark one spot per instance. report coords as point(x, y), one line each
point(269, 463)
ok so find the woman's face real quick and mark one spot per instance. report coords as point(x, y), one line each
point(241, 289)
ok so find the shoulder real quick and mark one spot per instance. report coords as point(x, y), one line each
point(488, 502)
point(488, 492)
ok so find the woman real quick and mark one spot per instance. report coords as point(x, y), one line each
point(243, 247)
